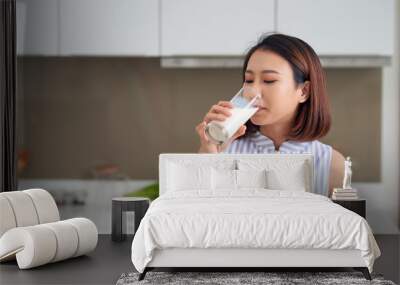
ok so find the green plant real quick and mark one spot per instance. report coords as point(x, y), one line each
point(150, 191)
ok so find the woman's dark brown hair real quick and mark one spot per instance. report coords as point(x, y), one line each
point(313, 118)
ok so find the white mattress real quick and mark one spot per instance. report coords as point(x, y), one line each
point(251, 218)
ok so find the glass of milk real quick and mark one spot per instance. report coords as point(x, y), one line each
point(244, 106)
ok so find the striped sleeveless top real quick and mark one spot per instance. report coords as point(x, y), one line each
point(258, 143)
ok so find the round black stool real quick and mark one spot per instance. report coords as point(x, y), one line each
point(127, 212)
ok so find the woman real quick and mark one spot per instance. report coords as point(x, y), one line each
point(294, 111)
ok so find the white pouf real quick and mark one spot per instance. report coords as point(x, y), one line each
point(7, 219)
point(45, 205)
point(23, 208)
point(87, 233)
point(37, 245)
point(31, 232)
point(67, 237)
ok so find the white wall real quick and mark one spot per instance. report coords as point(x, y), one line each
point(383, 200)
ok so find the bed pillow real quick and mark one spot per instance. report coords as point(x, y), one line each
point(282, 173)
point(188, 177)
point(294, 178)
point(223, 179)
point(227, 179)
point(251, 178)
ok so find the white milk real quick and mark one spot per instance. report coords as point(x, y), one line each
point(219, 132)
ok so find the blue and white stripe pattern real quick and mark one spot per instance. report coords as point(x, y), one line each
point(258, 143)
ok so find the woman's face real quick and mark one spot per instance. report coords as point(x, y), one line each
point(272, 76)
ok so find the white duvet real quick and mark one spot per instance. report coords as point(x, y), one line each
point(252, 218)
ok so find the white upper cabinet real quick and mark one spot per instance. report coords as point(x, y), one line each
point(37, 27)
point(211, 28)
point(109, 27)
point(201, 27)
point(340, 27)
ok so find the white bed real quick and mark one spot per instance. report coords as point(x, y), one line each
point(202, 220)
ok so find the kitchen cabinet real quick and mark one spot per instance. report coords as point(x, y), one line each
point(340, 27)
point(37, 27)
point(109, 27)
point(213, 28)
point(204, 29)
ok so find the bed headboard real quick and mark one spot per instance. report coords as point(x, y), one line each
point(231, 159)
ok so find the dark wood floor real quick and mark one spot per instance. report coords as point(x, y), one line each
point(110, 260)
point(103, 266)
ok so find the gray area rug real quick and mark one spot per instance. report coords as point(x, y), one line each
point(225, 278)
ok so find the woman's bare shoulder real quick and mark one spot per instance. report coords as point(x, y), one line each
point(337, 170)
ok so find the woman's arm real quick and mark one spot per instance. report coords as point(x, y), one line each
point(337, 171)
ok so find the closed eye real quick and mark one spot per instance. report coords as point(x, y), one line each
point(265, 81)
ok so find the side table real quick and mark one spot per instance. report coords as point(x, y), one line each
point(358, 206)
point(122, 206)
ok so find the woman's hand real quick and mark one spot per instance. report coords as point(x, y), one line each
point(219, 112)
